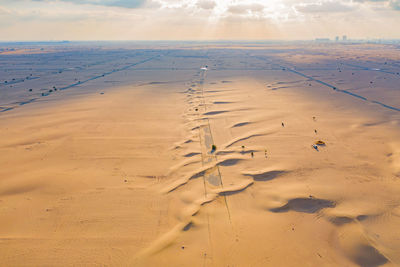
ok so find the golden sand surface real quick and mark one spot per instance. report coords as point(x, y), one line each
point(121, 170)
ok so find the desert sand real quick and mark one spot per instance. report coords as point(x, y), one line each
point(109, 159)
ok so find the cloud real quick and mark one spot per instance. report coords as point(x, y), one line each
point(392, 4)
point(4, 11)
point(197, 19)
point(110, 3)
point(245, 9)
point(395, 4)
point(206, 4)
point(324, 7)
point(373, 1)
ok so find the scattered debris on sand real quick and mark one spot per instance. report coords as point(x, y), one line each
point(213, 148)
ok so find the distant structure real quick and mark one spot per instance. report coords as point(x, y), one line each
point(337, 38)
point(344, 38)
point(322, 40)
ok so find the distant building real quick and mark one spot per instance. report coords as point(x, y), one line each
point(337, 38)
point(322, 40)
point(344, 38)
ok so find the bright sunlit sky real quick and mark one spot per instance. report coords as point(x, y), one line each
point(197, 19)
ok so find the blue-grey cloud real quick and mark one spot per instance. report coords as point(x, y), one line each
point(111, 3)
point(395, 4)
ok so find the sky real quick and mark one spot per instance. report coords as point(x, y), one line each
point(51, 20)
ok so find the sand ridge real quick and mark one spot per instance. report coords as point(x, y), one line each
point(181, 164)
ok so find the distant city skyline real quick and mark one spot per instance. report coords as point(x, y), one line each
point(34, 20)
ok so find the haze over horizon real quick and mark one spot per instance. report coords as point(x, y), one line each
point(200, 133)
point(36, 20)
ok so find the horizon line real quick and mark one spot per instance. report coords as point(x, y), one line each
point(318, 39)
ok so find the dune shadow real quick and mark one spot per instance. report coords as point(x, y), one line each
point(265, 176)
point(240, 124)
point(222, 102)
point(243, 152)
point(243, 139)
point(188, 226)
point(235, 191)
point(362, 217)
point(368, 256)
point(16, 190)
point(191, 154)
point(215, 112)
point(340, 220)
point(229, 162)
point(225, 152)
point(306, 205)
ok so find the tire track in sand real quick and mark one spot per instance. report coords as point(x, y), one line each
point(213, 178)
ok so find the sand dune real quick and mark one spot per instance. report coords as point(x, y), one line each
point(176, 164)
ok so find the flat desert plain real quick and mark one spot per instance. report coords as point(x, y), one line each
point(199, 154)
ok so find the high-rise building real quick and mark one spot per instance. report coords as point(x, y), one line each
point(344, 38)
point(337, 38)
